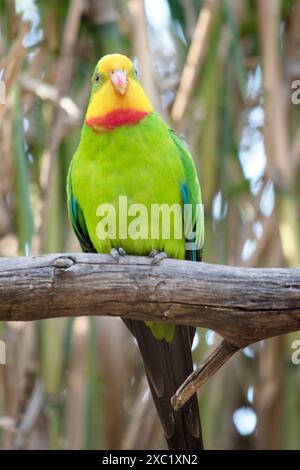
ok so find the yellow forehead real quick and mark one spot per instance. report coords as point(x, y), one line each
point(114, 62)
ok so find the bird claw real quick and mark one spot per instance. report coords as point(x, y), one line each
point(115, 253)
point(121, 251)
point(157, 256)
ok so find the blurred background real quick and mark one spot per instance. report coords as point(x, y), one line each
point(221, 72)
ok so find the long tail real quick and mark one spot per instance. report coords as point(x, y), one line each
point(167, 365)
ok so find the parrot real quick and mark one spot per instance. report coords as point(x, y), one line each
point(126, 149)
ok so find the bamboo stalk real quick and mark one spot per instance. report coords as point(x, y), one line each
point(63, 78)
point(142, 50)
point(194, 61)
point(275, 127)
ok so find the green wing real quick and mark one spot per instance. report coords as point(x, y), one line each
point(191, 195)
point(77, 218)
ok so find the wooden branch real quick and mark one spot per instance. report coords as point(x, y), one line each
point(206, 370)
point(243, 305)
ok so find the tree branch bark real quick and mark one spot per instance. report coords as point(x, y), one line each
point(243, 305)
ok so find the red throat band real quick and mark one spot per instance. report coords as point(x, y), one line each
point(116, 118)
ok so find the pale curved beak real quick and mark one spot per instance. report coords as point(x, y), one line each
point(119, 80)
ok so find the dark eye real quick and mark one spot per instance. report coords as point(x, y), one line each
point(136, 71)
point(97, 78)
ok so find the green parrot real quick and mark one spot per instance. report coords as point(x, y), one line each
point(128, 154)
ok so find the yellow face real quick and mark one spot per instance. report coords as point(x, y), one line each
point(115, 87)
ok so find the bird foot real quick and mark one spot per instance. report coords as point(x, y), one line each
point(115, 253)
point(157, 256)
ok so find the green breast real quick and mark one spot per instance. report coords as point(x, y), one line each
point(141, 164)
